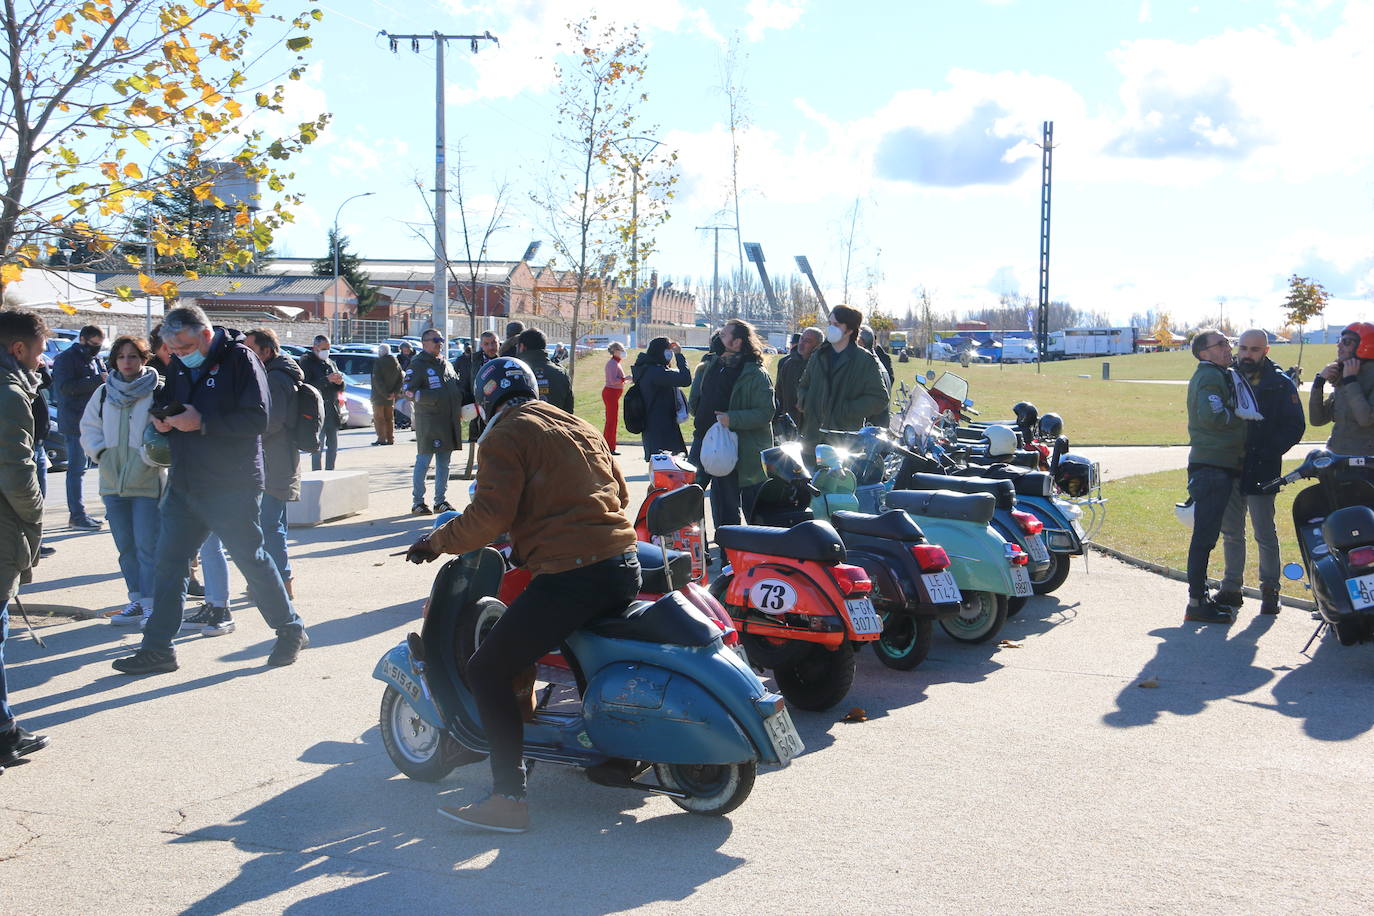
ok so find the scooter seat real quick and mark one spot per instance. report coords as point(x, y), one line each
point(1003, 490)
point(652, 576)
point(893, 524)
point(671, 621)
point(1352, 526)
point(973, 507)
point(1027, 482)
point(813, 540)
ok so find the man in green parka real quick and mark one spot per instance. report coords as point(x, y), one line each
point(842, 387)
point(438, 396)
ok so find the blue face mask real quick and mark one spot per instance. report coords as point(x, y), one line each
point(193, 359)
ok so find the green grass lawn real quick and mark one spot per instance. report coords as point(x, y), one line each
point(1141, 522)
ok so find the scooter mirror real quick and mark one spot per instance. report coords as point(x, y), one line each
point(922, 381)
point(930, 374)
point(1292, 571)
point(968, 402)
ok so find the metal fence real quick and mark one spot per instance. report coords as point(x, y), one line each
point(358, 330)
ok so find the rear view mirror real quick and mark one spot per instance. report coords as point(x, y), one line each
point(1293, 571)
point(930, 374)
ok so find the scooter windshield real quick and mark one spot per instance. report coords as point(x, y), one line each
point(784, 462)
point(951, 386)
point(913, 424)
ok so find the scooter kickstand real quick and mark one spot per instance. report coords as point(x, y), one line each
point(1321, 627)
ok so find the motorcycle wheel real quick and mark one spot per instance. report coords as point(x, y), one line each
point(905, 642)
point(1015, 603)
point(981, 615)
point(712, 789)
point(418, 749)
point(819, 680)
point(1053, 577)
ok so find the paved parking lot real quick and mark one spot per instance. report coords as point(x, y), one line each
point(1036, 775)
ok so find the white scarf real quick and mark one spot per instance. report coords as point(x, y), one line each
point(1246, 406)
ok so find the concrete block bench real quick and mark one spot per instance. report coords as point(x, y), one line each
point(328, 495)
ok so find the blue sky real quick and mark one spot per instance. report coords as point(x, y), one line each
point(1203, 150)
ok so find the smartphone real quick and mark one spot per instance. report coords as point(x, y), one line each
point(171, 410)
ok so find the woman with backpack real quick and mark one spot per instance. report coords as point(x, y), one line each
point(658, 385)
point(611, 392)
point(112, 430)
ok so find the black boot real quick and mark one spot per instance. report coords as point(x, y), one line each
point(1269, 599)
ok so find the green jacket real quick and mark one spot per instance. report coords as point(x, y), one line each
point(438, 402)
point(21, 503)
point(1216, 436)
point(387, 378)
point(843, 397)
point(554, 386)
point(751, 418)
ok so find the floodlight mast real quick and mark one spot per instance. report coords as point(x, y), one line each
point(753, 251)
point(805, 267)
point(439, 312)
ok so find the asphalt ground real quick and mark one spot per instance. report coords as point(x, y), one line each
point(1035, 775)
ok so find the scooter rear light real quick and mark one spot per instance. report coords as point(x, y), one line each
point(852, 580)
point(1361, 556)
point(1029, 523)
point(1016, 556)
point(930, 557)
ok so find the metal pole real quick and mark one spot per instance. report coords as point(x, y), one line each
point(439, 314)
point(334, 243)
point(148, 262)
point(715, 279)
point(1046, 166)
point(634, 239)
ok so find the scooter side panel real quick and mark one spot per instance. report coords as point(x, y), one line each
point(977, 554)
point(649, 713)
point(394, 668)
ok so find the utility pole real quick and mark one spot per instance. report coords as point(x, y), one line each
point(1043, 316)
point(439, 313)
point(715, 271)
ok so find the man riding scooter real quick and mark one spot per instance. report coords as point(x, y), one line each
point(548, 479)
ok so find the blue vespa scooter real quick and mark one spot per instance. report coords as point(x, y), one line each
point(659, 688)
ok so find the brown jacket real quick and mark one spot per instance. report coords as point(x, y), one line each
point(548, 478)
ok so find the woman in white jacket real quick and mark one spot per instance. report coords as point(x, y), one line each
point(112, 434)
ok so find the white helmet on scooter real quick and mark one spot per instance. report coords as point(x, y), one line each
point(1001, 441)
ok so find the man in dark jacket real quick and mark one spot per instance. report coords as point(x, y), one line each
point(76, 374)
point(387, 378)
point(467, 366)
point(215, 484)
point(870, 343)
point(790, 369)
point(406, 354)
point(1266, 441)
point(554, 386)
point(324, 376)
point(512, 345)
point(281, 459)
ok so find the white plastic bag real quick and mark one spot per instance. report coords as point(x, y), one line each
point(719, 450)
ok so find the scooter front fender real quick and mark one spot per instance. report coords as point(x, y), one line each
point(644, 712)
point(397, 669)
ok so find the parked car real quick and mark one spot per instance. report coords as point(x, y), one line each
point(354, 348)
point(358, 365)
point(358, 397)
point(295, 351)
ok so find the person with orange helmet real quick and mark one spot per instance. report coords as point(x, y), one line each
point(1349, 405)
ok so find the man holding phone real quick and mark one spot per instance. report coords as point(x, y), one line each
point(214, 486)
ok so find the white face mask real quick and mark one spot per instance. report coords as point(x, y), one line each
point(834, 333)
point(324, 353)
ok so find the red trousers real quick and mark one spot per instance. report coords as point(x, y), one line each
point(611, 398)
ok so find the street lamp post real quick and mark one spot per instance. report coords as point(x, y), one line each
point(334, 243)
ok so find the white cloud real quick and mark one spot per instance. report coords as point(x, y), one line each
point(772, 14)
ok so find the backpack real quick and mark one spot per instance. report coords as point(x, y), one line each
point(634, 410)
point(307, 420)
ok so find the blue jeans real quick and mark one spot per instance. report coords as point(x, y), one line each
point(76, 470)
point(329, 446)
point(133, 522)
point(214, 569)
point(187, 519)
point(40, 458)
point(6, 717)
point(273, 522)
point(1211, 490)
point(440, 477)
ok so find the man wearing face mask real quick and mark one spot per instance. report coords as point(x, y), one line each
point(215, 418)
point(842, 386)
point(323, 375)
point(1266, 441)
point(76, 374)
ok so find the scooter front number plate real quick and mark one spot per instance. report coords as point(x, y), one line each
point(1020, 582)
point(786, 742)
point(1037, 551)
point(942, 587)
point(863, 617)
point(1361, 590)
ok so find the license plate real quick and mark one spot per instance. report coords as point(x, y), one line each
point(863, 617)
point(1037, 551)
point(786, 742)
point(1361, 590)
point(942, 587)
point(1020, 582)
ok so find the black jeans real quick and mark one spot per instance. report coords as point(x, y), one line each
point(550, 608)
point(1211, 490)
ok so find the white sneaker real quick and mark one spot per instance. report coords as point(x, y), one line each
point(132, 614)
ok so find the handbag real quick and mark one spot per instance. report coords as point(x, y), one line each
point(719, 450)
point(681, 406)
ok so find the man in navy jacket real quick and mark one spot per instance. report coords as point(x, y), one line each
point(215, 484)
point(1266, 441)
point(76, 375)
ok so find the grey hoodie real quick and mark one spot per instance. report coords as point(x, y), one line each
point(281, 459)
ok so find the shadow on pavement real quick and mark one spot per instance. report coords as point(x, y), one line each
point(1329, 692)
point(357, 820)
point(112, 682)
point(340, 630)
point(1195, 664)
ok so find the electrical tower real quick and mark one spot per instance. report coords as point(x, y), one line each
point(1042, 326)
